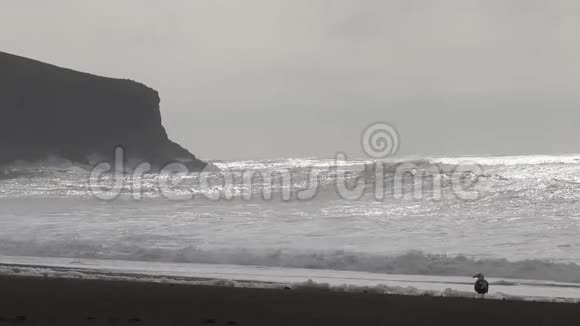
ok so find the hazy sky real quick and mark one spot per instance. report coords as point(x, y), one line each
point(272, 78)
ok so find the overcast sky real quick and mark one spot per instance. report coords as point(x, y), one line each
point(287, 78)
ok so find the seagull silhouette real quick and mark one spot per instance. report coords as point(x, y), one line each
point(481, 285)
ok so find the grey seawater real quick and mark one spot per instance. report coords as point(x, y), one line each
point(524, 222)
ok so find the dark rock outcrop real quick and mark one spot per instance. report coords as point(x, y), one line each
point(51, 111)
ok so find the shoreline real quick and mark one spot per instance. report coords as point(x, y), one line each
point(46, 301)
point(249, 276)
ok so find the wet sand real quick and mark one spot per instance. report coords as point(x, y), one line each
point(38, 301)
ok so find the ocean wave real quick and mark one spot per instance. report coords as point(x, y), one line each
point(410, 263)
point(41, 169)
point(546, 189)
point(509, 160)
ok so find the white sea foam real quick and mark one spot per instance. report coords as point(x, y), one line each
point(412, 263)
point(283, 278)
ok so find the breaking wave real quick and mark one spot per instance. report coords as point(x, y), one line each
point(410, 263)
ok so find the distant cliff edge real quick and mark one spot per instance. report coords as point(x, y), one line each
point(51, 111)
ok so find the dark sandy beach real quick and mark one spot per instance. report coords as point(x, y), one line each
point(38, 301)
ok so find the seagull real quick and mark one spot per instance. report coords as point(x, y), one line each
point(481, 285)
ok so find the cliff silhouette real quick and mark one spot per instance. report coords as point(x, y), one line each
point(47, 110)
